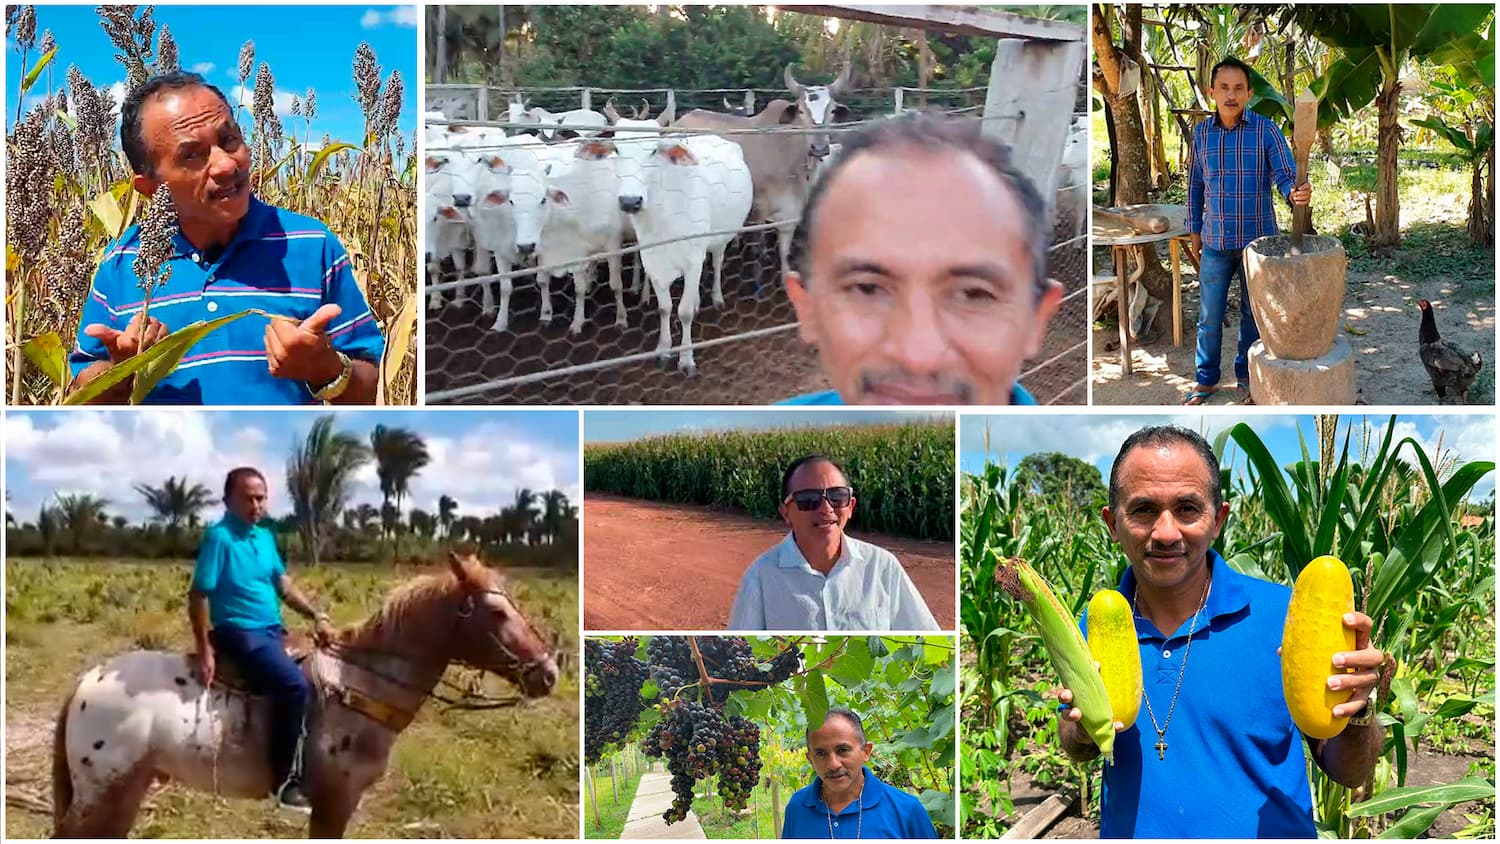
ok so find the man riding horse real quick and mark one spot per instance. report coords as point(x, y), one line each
point(236, 583)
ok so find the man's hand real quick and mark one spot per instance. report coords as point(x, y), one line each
point(206, 666)
point(1195, 246)
point(1366, 662)
point(323, 631)
point(140, 334)
point(1075, 714)
point(302, 351)
point(1301, 194)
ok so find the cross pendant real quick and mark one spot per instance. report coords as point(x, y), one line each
point(1161, 747)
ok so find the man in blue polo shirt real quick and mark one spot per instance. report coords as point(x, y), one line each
point(232, 252)
point(846, 800)
point(921, 263)
point(1213, 708)
point(238, 583)
point(1237, 156)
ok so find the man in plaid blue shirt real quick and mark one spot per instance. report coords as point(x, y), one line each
point(1237, 156)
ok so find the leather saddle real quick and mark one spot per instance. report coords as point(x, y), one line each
point(230, 676)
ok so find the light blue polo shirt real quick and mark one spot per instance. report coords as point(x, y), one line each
point(237, 569)
point(887, 813)
point(1235, 766)
point(1018, 395)
point(277, 261)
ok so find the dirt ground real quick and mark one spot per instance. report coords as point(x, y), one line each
point(1379, 321)
point(651, 566)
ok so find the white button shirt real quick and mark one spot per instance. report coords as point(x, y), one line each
point(865, 591)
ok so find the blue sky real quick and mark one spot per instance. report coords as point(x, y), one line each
point(1096, 438)
point(622, 425)
point(480, 457)
point(306, 46)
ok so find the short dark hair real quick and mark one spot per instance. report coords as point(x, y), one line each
point(933, 132)
point(241, 472)
point(786, 477)
point(131, 139)
point(1163, 435)
point(840, 712)
point(1232, 63)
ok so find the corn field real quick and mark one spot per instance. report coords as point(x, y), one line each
point(901, 474)
point(69, 193)
point(1423, 562)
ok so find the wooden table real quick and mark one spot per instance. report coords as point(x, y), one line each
point(1120, 239)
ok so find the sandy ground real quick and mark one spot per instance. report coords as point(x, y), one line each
point(1380, 322)
point(651, 566)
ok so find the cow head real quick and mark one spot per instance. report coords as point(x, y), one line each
point(448, 192)
point(820, 104)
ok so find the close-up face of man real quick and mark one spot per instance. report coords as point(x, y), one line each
point(248, 497)
point(838, 752)
point(1231, 88)
point(918, 287)
point(820, 484)
point(194, 148)
point(1164, 516)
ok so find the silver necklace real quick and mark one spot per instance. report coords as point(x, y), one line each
point(1161, 729)
point(859, 823)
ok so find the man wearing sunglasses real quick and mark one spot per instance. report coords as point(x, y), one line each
point(921, 268)
point(819, 578)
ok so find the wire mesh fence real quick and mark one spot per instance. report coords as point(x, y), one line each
point(615, 361)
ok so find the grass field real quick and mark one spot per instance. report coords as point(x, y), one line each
point(508, 773)
point(613, 803)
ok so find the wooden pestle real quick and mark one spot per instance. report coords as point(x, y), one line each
point(1304, 130)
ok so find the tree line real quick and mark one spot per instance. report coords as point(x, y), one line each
point(540, 526)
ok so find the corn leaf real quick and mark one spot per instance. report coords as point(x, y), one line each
point(398, 344)
point(156, 362)
point(36, 70)
point(1279, 501)
point(1448, 794)
point(1414, 823)
point(46, 353)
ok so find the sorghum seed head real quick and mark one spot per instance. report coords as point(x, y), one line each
point(25, 29)
point(145, 28)
point(310, 105)
point(157, 229)
point(296, 107)
point(48, 42)
point(61, 142)
point(264, 101)
point(366, 79)
point(29, 185)
point(166, 52)
point(390, 104)
point(119, 24)
point(247, 60)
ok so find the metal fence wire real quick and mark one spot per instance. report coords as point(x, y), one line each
point(747, 351)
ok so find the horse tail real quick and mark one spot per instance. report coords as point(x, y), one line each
point(62, 777)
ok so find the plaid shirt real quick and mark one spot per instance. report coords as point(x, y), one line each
point(1231, 173)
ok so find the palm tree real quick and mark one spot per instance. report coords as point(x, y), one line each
point(367, 516)
point(555, 509)
point(81, 514)
point(399, 455)
point(521, 512)
point(447, 513)
point(351, 519)
point(318, 476)
point(49, 523)
point(175, 502)
point(390, 518)
point(422, 522)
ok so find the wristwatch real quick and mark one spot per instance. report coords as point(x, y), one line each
point(335, 388)
point(1366, 715)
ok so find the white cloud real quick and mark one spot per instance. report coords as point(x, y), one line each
point(281, 101)
point(1088, 437)
point(107, 453)
point(399, 16)
point(203, 68)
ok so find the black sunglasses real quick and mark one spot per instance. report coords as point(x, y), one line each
point(809, 499)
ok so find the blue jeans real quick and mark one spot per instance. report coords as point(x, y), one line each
point(260, 654)
point(1218, 270)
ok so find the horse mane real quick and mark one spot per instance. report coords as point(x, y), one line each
point(406, 616)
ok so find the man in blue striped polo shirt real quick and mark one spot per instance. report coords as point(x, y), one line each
point(921, 268)
point(232, 252)
point(1237, 156)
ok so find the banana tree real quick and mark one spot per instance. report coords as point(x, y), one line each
point(1376, 41)
point(1472, 133)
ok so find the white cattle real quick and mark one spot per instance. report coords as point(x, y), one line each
point(449, 198)
point(1073, 177)
point(673, 187)
point(509, 178)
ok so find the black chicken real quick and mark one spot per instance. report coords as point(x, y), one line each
point(1452, 369)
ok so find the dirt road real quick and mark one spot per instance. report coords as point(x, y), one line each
point(650, 566)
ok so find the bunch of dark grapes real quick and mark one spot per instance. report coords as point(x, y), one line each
point(672, 665)
point(698, 741)
point(612, 694)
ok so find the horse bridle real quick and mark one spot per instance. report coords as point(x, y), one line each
point(513, 661)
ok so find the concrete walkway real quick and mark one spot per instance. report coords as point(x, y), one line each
point(652, 797)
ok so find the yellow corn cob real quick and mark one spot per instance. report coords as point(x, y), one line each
point(1314, 632)
point(1066, 649)
point(1116, 648)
